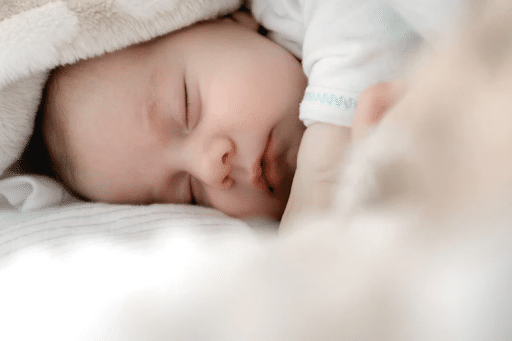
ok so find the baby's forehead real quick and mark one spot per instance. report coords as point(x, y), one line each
point(129, 57)
point(74, 86)
point(94, 68)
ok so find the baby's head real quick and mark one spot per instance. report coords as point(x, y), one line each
point(206, 115)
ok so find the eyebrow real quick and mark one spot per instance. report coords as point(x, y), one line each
point(159, 127)
point(151, 110)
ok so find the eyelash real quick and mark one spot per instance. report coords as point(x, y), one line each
point(187, 107)
point(187, 111)
point(192, 198)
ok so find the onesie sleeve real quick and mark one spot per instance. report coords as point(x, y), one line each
point(347, 47)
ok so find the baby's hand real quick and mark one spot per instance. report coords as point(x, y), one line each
point(321, 150)
point(373, 103)
point(323, 147)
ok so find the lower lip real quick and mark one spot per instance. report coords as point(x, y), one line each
point(261, 181)
point(270, 171)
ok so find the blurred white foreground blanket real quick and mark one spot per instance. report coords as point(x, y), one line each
point(417, 247)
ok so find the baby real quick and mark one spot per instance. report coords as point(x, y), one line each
point(207, 115)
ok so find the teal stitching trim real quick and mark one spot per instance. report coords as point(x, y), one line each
point(324, 98)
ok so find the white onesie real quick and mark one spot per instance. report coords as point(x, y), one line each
point(348, 45)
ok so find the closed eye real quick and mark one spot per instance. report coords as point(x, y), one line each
point(193, 200)
point(187, 108)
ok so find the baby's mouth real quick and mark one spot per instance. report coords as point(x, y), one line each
point(262, 170)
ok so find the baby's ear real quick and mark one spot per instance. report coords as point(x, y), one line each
point(245, 19)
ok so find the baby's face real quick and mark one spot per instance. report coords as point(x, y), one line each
point(206, 115)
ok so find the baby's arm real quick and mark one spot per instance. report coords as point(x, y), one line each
point(342, 56)
point(323, 150)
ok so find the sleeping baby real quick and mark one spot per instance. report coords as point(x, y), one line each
point(215, 114)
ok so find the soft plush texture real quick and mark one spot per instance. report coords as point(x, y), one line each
point(38, 35)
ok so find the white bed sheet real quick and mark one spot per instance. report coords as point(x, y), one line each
point(38, 211)
point(68, 267)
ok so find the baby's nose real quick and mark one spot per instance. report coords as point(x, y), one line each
point(217, 163)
